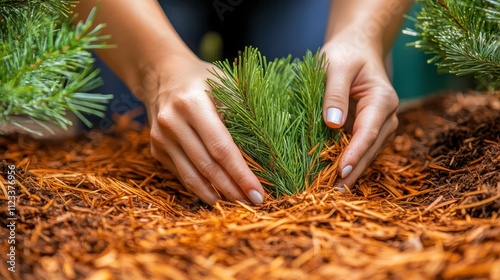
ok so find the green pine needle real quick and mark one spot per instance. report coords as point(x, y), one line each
point(8, 8)
point(273, 111)
point(46, 63)
point(463, 36)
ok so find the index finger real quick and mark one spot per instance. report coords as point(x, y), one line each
point(222, 148)
point(372, 113)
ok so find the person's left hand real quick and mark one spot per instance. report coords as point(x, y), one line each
point(360, 98)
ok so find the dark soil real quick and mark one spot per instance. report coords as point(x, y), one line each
point(458, 136)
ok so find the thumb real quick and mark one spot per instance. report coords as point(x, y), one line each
point(336, 101)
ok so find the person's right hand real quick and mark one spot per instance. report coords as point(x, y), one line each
point(188, 136)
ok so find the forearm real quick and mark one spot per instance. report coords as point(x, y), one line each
point(366, 23)
point(140, 30)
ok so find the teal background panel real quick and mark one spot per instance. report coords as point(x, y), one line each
point(413, 77)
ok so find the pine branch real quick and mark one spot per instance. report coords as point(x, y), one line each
point(9, 8)
point(492, 10)
point(463, 36)
point(273, 111)
point(47, 66)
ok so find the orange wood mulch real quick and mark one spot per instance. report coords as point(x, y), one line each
point(100, 207)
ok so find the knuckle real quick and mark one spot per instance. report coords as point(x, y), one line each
point(336, 94)
point(178, 105)
point(372, 135)
point(165, 120)
point(208, 168)
point(243, 182)
point(391, 100)
point(183, 100)
point(219, 150)
point(336, 98)
point(191, 182)
point(156, 139)
point(394, 122)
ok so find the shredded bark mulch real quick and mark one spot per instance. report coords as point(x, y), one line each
point(100, 207)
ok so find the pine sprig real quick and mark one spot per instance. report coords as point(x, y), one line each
point(492, 10)
point(46, 65)
point(9, 8)
point(463, 36)
point(273, 112)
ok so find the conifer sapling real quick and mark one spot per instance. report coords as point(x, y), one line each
point(273, 111)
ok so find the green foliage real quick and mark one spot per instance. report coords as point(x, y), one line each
point(46, 66)
point(463, 36)
point(8, 8)
point(273, 110)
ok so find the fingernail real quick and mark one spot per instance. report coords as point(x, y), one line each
point(340, 188)
point(334, 115)
point(255, 197)
point(346, 171)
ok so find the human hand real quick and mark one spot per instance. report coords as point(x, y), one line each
point(188, 136)
point(360, 98)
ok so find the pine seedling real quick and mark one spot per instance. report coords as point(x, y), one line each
point(273, 111)
point(46, 67)
point(463, 36)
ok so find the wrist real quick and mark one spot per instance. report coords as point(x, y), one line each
point(154, 68)
point(349, 46)
point(366, 24)
point(348, 43)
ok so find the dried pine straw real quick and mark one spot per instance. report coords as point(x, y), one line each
point(100, 207)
